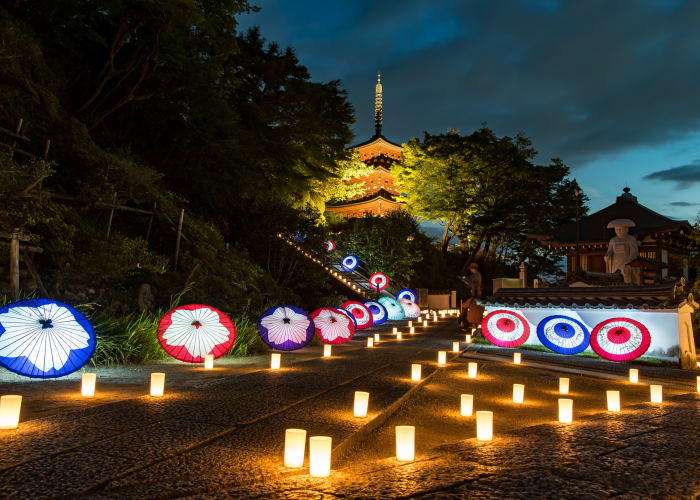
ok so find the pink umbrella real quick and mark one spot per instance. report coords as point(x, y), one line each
point(410, 309)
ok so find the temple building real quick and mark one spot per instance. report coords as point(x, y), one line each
point(380, 192)
point(662, 244)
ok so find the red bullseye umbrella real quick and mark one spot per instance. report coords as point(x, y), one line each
point(332, 326)
point(190, 332)
point(360, 312)
point(379, 281)
point(620, 339)
point(505, 328)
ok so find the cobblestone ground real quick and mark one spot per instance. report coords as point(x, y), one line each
point(225, 439)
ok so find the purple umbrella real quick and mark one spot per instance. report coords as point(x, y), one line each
point(286, 328)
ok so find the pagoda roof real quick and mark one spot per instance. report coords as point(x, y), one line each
point(379, 194)
point(374, 138)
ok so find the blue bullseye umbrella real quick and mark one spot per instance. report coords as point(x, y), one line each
point(407, 294)
point(350, 262)
point(379, 313)
point(394, 310)
point(346, 313)
point(42, 338)
point(563, 334)
point(286, 328)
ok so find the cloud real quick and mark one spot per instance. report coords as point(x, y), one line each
point(684, 175)
point(682, 204)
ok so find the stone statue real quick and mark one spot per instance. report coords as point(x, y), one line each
point(622, 249)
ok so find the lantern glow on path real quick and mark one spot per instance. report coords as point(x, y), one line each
point(484, 425)
point(209, 362)
point(376, 337)
point(405, 442)
point(87, 389)
point(516, 358)
point(320, 456)
point(656, 393)
point(471, 370)
point(294, 447)
point(442, 358)
point(466, 406)
point(395, 331)
point(157, 384)
point(613, 398)
point(411, 331)
point(415, 372)
point(455, 346)
point(370, 341)
point(518, 393)
point(566, 410)
point(9, 411)
point(361, 403)
point(563, 385)
point(275, 361)
point(410, 324)
point(399, 336)
point(468, 339)
point(634, 375)
point(327, 351)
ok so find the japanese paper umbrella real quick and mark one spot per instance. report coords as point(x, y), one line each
point(286, 328)
point(343, 311)
point(620, 339)
point(563, 334)
point(379, 281)
point(330, 245)
point(410, 308)
point(188, 333)
point(361, 313)
point(378, 311)
point(408, 294)
point(42, 338)
point(505, 328)
point(350, 262)
point(332, 327)
point(394, 310)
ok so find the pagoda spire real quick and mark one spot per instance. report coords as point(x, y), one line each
point(378, 106)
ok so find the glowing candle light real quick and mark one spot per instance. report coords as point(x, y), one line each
point(405, 442)
point(399, 336)
point(468, 339)
point(563, 385)
point(327, 350)
point(466, 405)
point(484, 425)
point(396, 330)
point(87, 389)
point(613, 400)
point(157, 384)
point(698, 383)
point(516, 358)
point(415, 372)
point(518, 393)
point(455, 346)
point(471, 370)
point(656, 393)
point(566, 410)
point(320, 455)
point(275, 360)
point(425, 323)
point(376, 338)
point(410, 323)
point(361, 402)
point(209, 362)
point(370, 341)
point(634, 375)
point(412, 330)
point(294, 447)
point(9, 411)
point(442, 358)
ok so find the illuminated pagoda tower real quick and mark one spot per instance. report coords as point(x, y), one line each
point(380, 191)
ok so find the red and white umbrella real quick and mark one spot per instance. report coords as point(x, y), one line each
point(190, 332)
point(620, 339)
point(379, 281)
point(410, 308)
point(332, 327)
point(362, 315)
point(505, 328)
point(330, 245)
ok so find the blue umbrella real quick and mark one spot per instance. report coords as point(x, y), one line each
point(563, 334)
point(407, 294)
point(286, 328)
point(42, 338)
point(350, 262)
point(379, 313)
point(393, 308)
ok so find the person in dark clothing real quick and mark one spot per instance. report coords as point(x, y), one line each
point(473, 281)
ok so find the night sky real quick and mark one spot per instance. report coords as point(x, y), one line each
point(610, 87)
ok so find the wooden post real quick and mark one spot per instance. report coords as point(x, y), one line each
point(14, 263)
point(179, 235)
point(14, 143)
point(150, 222)
point(111, 214)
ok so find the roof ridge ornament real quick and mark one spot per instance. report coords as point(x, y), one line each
point(378, 106)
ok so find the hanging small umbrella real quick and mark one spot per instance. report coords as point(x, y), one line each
point(361, 313)
point(286, 328)
point(343, 311)
point(394, 310)
point(620, 339)
point(350, 262)
point(407, 294)
point(378, 311)
point(332, 327)
point(330, 245)
point(190, 332)
point(563, 334)
point(42, 338)
point(410, 308)
point(379, 281)
point(505, 328)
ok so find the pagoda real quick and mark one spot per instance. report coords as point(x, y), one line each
point(380, 191)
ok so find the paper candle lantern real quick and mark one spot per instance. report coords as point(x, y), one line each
point(455, 346)
point(656, 393)
point(395, 331)
point(87, 389)
point(415, 372)
point(613, 400)
point(327, 350)
point(157, 384)
point(9, 411)
point(275, 361)
point(294, 447)
point(376, 337)
point(566, 410)
point(484, 425)
point(425, 323)
point(320, 456)
point(471, 370)
point(399, 336)
point(634, 375)
point(361, 402)
point(518, 393)
point(468, 339)
point(516, 358)
point(698, 383)
point(209, 362)
point(466, 405)
point(370, 341)
point(563, 385)
point(412, 330)
point(442, 358)
point(410, 323)
point(405, 442)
